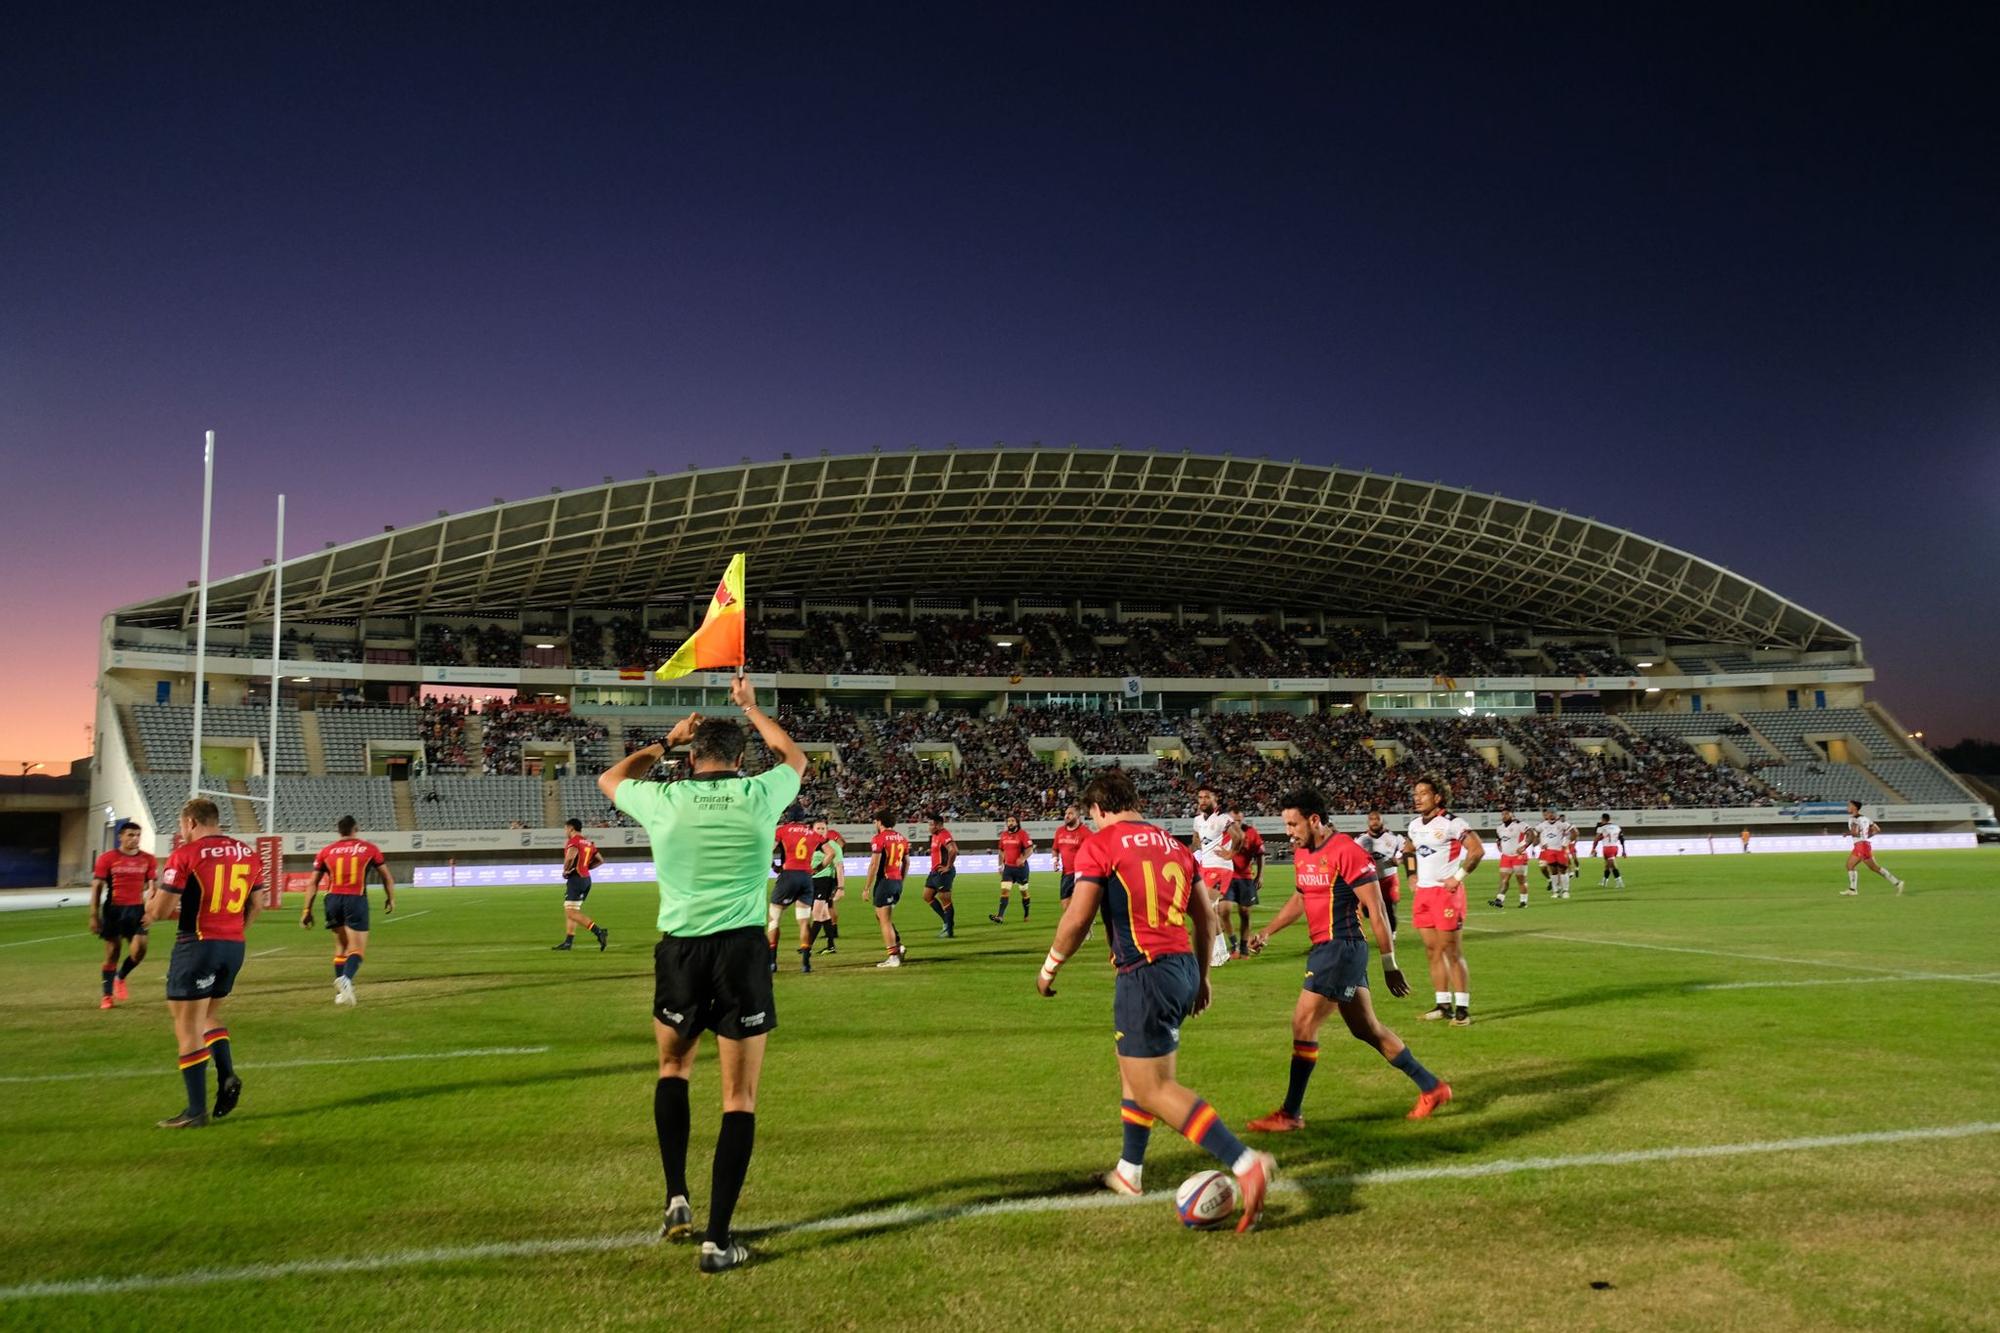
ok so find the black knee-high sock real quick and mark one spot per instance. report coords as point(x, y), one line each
point(670, 1124)
point(832, 932)
point(732, 1164)
point(109, 974)
point(1024, 906)
point(937, 907)
point(812, 933)
point(951, 917)
point(125, 968)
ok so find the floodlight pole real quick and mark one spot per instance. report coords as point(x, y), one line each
point(201, 612)
point(277, 623)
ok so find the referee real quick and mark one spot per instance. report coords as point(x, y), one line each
point(711, 834)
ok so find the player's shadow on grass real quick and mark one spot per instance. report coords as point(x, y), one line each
point(1585, 999)
point(501, 980)
point(417, 1092)
point(1329, 1157)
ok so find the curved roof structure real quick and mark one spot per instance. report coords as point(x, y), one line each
point(1005, 521)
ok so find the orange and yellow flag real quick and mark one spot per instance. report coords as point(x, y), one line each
point(719, 641)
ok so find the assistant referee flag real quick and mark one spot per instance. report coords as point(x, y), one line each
point(719, 641)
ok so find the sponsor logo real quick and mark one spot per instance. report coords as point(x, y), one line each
point(1173, 1034)
point(755, 1020)
point(1347, 992)
point(203, 983)
point(672, 1017)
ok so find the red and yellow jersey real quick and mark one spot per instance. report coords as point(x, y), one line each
point(346, 864)
point(1065, 841)
point(579, 855)
point(1325, 877)
point(1249, 849)
point(895, 850)
point(797, 843)
point(1146, 874)
point(1015, 845)
point(943, 845)
point(215, 878)
point(128, 876)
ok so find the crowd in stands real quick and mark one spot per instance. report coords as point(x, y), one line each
point(443, 730)
point(469, 645)
point(504, 727)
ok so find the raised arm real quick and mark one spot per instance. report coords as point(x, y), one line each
point(744, 696)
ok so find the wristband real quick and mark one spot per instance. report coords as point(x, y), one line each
point(1389, 962)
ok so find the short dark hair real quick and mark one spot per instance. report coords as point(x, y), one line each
point(576, 824)
point(1208, 787)
point(346, 826)
point(1307, 801)
point(1110, 789)
point(935, 816)
point(717, 739)
point(1374, 810)
point(1439, 787)
point(886, 817)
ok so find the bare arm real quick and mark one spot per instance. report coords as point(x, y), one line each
point(1069, 932)
point(1293, 909)
point(1473, 852)
point(640, 762)
point(312, 895)
point(156, 907)
point(388, 886)
point(97, 888)
point(768, 731)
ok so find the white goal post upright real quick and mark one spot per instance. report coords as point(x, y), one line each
point(277, 624)
point(201, 614)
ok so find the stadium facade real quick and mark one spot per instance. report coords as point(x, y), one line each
point(932, 615)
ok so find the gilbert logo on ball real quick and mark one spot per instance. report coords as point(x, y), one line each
point(1205, 1200)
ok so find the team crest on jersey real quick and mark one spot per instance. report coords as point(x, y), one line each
point(1450, 913)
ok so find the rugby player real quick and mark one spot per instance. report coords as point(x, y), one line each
point(888, 862)
point(1064, 843)
point(794, 843)
point(1513, 839)
point(342, 869)
point(1336, 883)
point(1212, 825)
point(1444, 852)
point(1142, 875)
point(129, 875)
point(1608, 841)
point(829, 884)
point(1246, 882)
point(1863, 830)
point(711, 836)
point(580, 857)
point(1552, 843)
point(1015, 845)
point(213, 889)
point(1387, 848)
point(944, 869)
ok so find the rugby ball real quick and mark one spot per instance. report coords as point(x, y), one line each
point(1206, 1200)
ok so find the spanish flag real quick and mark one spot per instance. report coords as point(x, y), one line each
point(719, 641)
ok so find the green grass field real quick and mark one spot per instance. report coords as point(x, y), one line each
point(1716, 1002)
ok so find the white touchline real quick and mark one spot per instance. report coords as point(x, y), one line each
point(444, 1254)
point(266, 953)
point(73, 935)
point(391, 918)
point(1841, 981)
point(1682, 948)
point(469, 1054)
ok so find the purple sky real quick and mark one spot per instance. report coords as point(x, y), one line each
point(1730, 280)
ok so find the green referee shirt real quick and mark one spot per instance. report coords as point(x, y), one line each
point(711, 836)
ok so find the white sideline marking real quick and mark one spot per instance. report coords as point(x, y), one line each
point(1682, 948)
point(266, 953)
point(447, 1254)
point(390, 918)
point(1986, 980)
point(470, 1054)
point(73, 935)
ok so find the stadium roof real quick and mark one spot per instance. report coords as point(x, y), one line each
point(1106, 523)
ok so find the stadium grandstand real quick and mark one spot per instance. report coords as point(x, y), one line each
point(973, 630)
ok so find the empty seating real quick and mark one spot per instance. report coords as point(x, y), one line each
point(493, 801)
point(167, 731)
point(1919, 780)
point(345, 732)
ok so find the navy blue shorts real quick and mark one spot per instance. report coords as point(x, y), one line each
point(793, 886)
point(203, 969)
point(1014, 874)
point(1068, 886)
point(1337, 969)
point(347, 909)
point(1150, 1002)
point(1242, 892)
point(940, 880)
point(576, 888)
point(887, 892)
point(121, 921)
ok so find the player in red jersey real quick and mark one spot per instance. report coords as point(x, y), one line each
point(342, 869)
point(129, 875)
point(888, 863)
point(1015, 847)
point(211, 887)
point(944, 872)
point(1246, 882)
point(580, 857)
point(793, 847)
point(1336, 883)
point(1862, 830)
point(1068, 837)
point(1141, 877)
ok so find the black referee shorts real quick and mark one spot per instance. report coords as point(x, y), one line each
point(717, 983)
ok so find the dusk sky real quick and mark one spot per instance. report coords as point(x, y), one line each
point(1728, 276)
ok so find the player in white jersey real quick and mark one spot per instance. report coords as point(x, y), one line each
point(1443, 852)
point(1388, 847)
point(1552, 837)
point(1863, 830)
point(1512, 838)
point(1608, 841)
point(1213, 840)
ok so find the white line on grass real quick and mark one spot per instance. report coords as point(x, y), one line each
point(1682, 948)
point(449, 1254)
point(470, 1054)
point(1842, 981)
point(391, 918)
point(73, 935)
point(266, 953)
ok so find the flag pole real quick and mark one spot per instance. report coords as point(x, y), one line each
point(201, 613)
point(277, 623)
